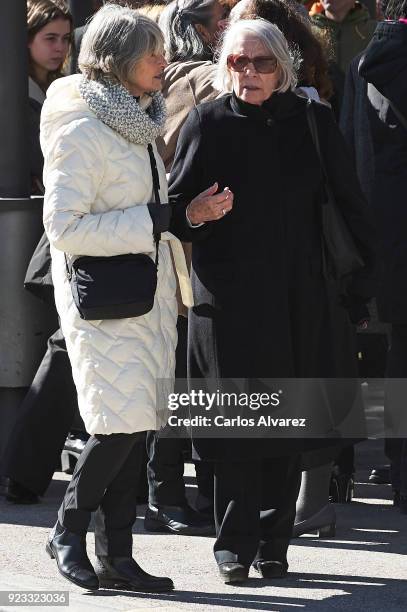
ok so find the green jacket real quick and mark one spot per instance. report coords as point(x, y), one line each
point(350, 36)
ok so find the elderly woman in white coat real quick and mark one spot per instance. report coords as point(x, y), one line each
point(95, 132)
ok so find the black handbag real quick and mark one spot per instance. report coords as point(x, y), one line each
point(38, 279)
point(340, 254)
point(116, 287)
point(399, 114)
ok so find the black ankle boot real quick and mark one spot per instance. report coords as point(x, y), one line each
point(233, 572)
point(271, 569)
point(69, 551)
point(124, 573)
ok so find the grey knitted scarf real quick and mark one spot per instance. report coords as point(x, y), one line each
point(117, 108)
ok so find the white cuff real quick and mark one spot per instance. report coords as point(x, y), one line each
point(193, 225)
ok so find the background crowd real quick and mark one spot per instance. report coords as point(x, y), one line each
point(348, 61)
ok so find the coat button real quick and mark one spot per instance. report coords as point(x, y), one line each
point(269, 122)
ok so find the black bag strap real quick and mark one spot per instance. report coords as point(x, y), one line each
point(399, 115)
point(312, 123)
point(156, 189)
point(313, 128)
point(154, 172)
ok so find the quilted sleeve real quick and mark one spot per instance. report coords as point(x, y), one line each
point(75, 162)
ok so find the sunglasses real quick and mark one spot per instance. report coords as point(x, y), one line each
point(262, 64)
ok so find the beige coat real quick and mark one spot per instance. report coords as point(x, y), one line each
point(186, 85)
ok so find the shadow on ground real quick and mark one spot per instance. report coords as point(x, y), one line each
point(347, 590)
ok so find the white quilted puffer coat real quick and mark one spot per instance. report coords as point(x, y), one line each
point(97, 185)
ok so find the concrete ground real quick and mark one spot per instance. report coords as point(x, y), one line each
point(363, 568)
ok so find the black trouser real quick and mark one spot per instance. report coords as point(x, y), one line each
point(345, 461)
point(47, 414)
point(165, 470)
point(255, 509)
point(395, 406)
point(105, 481)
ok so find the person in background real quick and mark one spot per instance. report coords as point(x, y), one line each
point(384, 68)
point(153, 9)
point(355, 126)
point(38, 437)
point(349, 27)
point(191, 30)
point(49, 26)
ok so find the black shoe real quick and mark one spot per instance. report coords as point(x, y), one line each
point(271, 569)
point(341, 488)
point(69, 551)
point(403, 504)
point(182, 520)
point(380, 475)
point(18, 494)
point(396, 498)
point(323, 523)
point(233, 572)
point(125, 574)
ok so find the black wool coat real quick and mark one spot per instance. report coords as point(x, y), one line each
point(384, 67)
point(262, 307)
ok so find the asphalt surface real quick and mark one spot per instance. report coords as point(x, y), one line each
point(363, 568)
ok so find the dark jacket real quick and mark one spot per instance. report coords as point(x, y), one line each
point(36, 99)
point(355, 126)
point(384, 67)
point(262, 308)
point(76, 47)
point(348, 38)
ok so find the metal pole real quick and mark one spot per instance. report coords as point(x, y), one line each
point(14, 161)
point(81, 10)
point(24, 320)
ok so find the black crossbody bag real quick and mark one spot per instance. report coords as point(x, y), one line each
point(340, 254)
point(120, 286)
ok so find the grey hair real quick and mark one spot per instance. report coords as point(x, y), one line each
point(115, 40)
point(272, 38)
point(182, 40)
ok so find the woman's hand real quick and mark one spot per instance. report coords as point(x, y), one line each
point(209, 205)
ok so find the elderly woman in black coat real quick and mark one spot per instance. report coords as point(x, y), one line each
point(263, 308)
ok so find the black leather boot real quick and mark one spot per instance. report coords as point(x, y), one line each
point(271, 569)
point(182, 520)
point(126, 574)
point(69, 551)
point(233, 572)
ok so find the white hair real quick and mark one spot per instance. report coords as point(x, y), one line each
point(115, 40)
point(273, 40)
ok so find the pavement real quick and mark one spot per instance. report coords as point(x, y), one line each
point(363, 568)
